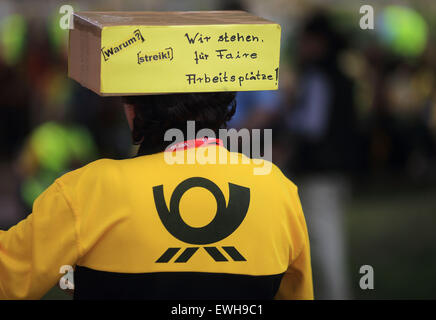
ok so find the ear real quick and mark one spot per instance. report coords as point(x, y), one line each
point(129, 110)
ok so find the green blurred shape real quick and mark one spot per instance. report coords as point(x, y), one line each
point(55, 145)
point(403, 30)
point(13, 32)
point(49, 144)
point(58, 149)
point(58, 37)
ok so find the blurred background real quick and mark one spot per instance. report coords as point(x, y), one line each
point(354, 126)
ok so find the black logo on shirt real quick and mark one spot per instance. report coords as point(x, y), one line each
point(226, 221)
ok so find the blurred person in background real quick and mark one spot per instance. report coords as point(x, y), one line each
point(400, 139)
point(322, 124)
point(15, 115)
point(55, 144)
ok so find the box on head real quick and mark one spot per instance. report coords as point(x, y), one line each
point(134, 53)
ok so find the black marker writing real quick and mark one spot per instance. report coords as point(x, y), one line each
point(200, 56)
point(224, 54)
point(107, 53)
point(198, 37)
point(221, 77)
point(166, 54)
point(238, 38)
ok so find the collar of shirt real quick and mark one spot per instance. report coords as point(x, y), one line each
point(184, 145)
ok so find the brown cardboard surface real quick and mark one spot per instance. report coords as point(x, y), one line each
point(169, 18)
point(84, 54)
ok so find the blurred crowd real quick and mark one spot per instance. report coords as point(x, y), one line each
point(355, 107)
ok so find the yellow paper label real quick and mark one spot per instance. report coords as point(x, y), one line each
point(162, 59)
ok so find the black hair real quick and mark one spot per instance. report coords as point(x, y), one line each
point(155, 114)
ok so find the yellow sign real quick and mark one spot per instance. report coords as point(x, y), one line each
point(194, 58)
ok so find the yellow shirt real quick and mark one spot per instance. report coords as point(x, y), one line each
point(144, 221)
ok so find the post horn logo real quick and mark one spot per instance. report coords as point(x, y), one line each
point(226, 221)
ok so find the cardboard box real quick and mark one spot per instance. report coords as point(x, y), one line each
point(133, 53)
